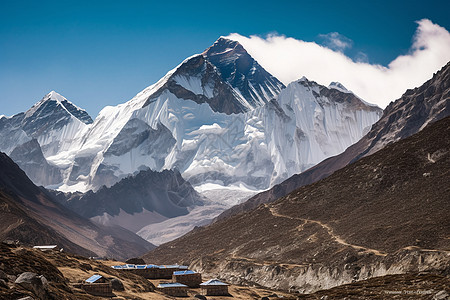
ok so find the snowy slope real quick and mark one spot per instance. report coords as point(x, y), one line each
point(55, 124)
point(220, 118)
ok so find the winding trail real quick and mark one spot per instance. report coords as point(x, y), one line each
point(328, 229)
point(267, 263)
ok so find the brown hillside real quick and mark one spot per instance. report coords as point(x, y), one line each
point(386, 213)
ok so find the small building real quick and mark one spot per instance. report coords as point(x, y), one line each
point(214, 287)
point(166, 271)
point(151, 271)
point(187, 277)
point(173, 289)
point(46, 248)
point(97, 285)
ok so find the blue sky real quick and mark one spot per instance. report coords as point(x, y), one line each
point(98, 53)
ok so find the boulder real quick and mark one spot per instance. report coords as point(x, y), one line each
point(3, 275)
point(33, 283)
point(136, 261)
point(3, 284)
point(117, 285)
point(201, 297)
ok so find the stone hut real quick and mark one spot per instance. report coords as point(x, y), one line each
point(97, 285)
point(151, 271)
point(190, 278)
point(173, 289)
point(214, 287)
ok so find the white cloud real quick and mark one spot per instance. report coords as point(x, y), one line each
point(336, 41)
point(289, 59)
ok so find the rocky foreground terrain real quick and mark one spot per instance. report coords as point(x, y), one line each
point(26, 272)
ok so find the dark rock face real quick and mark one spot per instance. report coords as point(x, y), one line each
point(400, 119)
point(30, 158)
point(387, 212)
point(231, 80)
point(49, 115)
point(80, 114)
point(20, 134)
point(164, 192)
point(157, 142)
point(222, 99)
point(241, 71)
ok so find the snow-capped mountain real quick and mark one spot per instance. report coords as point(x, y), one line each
point(215, 118)
point(229, 127)
point(218, 117)
point(46, 129)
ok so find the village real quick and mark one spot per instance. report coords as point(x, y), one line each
point(181, 277)
point(134, 279)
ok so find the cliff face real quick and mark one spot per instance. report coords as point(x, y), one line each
point(384, 214)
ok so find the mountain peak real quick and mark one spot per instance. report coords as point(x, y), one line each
point(54, 96)
point(51, 101)
point(303, 79)
point(242, 72)
point(225, 46)
point(338, 86)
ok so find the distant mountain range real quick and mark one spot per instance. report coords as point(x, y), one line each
point(218, 117)
point(136, 201)
point(33, 217)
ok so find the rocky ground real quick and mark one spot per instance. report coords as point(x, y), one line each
point(404, 286)
point(26, 272)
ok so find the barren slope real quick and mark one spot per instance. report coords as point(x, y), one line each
point(385, 214)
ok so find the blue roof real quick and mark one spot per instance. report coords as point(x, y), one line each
point(169, 266)
point(131, 266)
point(213, 282)
point(151, 266)
point(174, 284)
point(187, 272)
point(93, 278)
point(117, 267)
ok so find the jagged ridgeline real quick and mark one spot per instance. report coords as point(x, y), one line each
point(217, 117)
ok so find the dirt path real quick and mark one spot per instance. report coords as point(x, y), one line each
point(267, 263)
point(328, 229)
